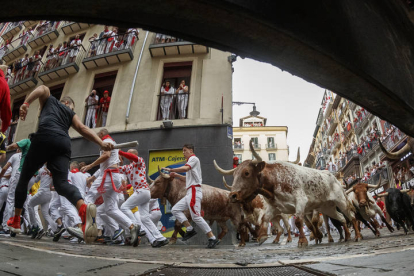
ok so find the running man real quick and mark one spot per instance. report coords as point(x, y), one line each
point(51, 143)
point(193, 198)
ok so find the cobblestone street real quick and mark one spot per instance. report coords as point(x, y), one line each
point(372, 255)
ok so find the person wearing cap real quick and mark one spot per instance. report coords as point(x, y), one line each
point(104, 102)
point(235, 162)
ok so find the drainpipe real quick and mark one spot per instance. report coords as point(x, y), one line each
point(134, 81)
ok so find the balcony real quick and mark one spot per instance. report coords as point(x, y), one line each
point(352, 105)
point(369, 150)
point(238, 147)
point(170, 46)
point(352, 163)
point(24, 79)
point(15, 49)
point(383, 173)
point(11, 30)
point(365, 120)
point(44, 33)
point(347, 133)
point(102, 52)
point(320, 163)
point(393, 139)
point(257, 146)
point(29, 23)
point(333, 123)
point(69, 27)
point(336, 101)
point(271, 146)
point(63, 66)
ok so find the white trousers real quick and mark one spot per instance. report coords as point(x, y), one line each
point(8, 211)
point(3, 198)
point(101, 47)
point(102, 219)
point(293, 227)
point(70, 211)
point(182, 105)
point(42, 198)
point(141, 199)
point(165, 108)
point(104, 116)
point(184, 204)
point(54, 206)
point(110, 198)
point(36, 218)
point(90, 118)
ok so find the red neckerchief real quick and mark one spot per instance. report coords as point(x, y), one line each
point(190, 156)
point(166, 88)
point(74, 171)
point(107, 137)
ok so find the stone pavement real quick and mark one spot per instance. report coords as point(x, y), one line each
point(390, 253)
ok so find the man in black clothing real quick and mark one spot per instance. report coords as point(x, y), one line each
point(51, 143)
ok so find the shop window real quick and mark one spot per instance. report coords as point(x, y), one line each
point(97, 112)
point(173, 100)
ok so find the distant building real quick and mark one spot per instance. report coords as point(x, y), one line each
point(269, 141)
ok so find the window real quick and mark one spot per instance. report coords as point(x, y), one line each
point(173, 101)
point(56, 91)
point(272, 157)
point(255, 141)
point(97, 112)
point(238, 143)
point(271, 142)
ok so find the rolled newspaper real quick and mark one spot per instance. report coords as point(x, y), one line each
point(126, 145)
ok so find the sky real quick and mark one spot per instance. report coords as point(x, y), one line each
point(284, 99)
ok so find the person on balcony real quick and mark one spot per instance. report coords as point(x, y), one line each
point(75, 47)
point(182, 100)
point(112, 40)
point(49, 57)
point(30, 68)
point(94, 45)
point(24, 36)
point(62, 54)
point(103, 40)
point(167, 93)
point(37, 57)
point(132, 37)
point(21, 73)
point(92, 103)
point(104, 103)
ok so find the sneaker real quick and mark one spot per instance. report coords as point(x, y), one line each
point(74, 240)
point(142, 233)
point(117, 242)
point(14, 224)
point(212, 243)
point(135, 235)
point(35, 231)
point(75, 232)
point(41, 234)
point(189, 234)
point(160, 243)
point(4, 232)
point(89, 228)
point(58, 233)
point(100, 239)
point(118, 233)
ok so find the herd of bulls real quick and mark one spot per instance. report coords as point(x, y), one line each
point(262, 193)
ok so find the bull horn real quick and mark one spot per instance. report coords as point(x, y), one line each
point(405, 191)
point(395, 155)
point(150, 181)
point(255, 154)
point(163, 175)
point(384, 194)
point(225, 184)
point(376, 186)
point(349, 190)
point(297, 158)
point(222, 171)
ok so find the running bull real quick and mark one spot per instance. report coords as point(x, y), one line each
point(292, 189)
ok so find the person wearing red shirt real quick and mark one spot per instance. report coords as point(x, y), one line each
point(235, 162)
point(104, 102)
point(381, 204)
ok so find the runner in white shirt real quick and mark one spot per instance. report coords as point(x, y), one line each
point(136, 173)
point(192, 200)
point(78, 178)
point(42, 198)
point(4, 189)
point(108, 185)
point(14, 163)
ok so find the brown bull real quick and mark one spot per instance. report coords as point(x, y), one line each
point(259, 213)
point(215, 204)
point(292, 189)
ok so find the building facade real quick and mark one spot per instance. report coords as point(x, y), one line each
point(270, 142)
point(133, 67)
point(345, 142)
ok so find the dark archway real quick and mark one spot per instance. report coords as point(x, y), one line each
point(361, 49)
